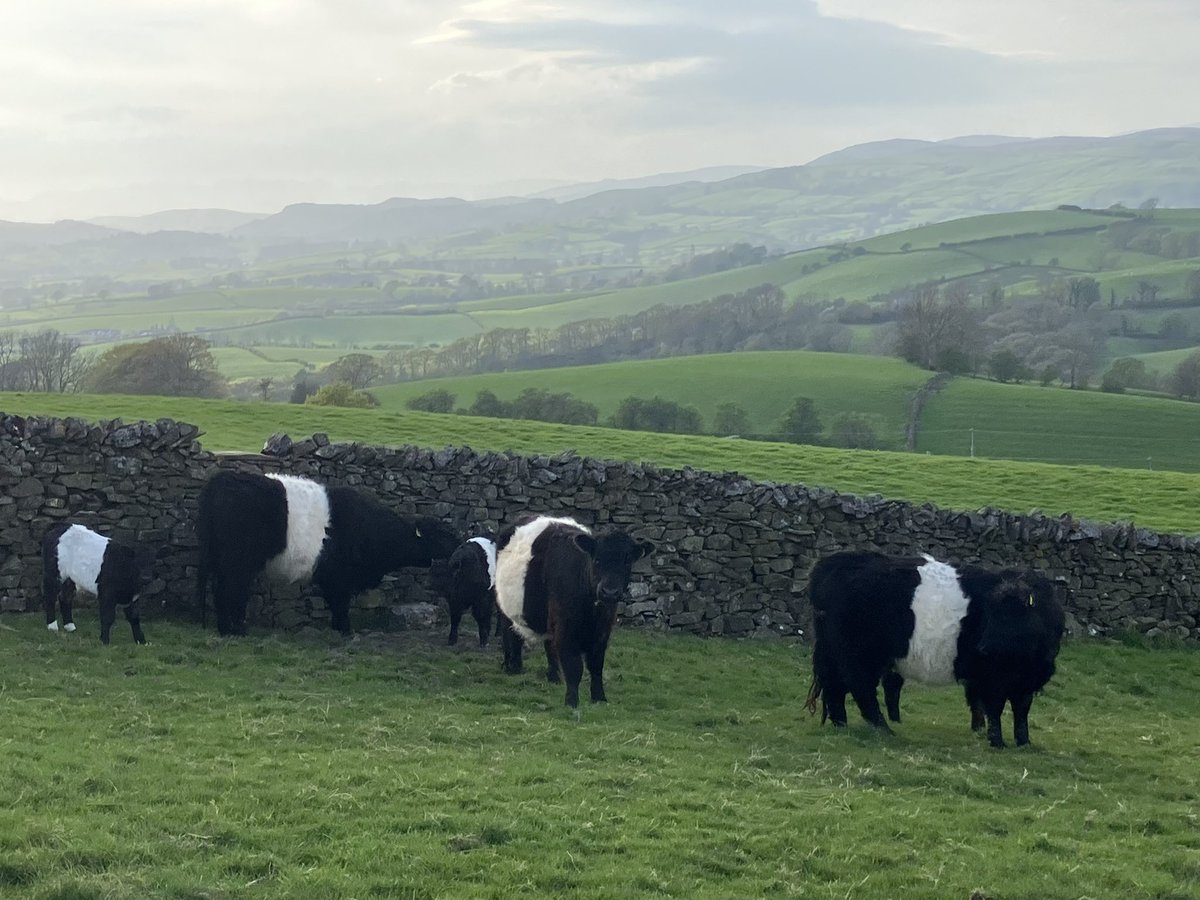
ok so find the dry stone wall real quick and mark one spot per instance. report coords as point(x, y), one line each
point(732, 554)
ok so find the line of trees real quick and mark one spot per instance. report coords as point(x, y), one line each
point(179, 365)
point(800, 423)
point(760, 318)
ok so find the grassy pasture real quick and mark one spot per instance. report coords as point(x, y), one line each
point(765, 384)
point(1155, 499)
point(391, 765)
point(1164, 361)
point(1032, 423)
point(355, 330)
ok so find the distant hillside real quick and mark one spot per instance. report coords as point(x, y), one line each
point(397, 219)
point(365, 298)
point(68, 231)
point(852, 194)
point(207, 221)
point(645, 224)
point(567, 192)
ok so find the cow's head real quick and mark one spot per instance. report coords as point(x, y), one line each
point(13, 426)
point(1017, 615)
point(613, 554)
point(434, 538)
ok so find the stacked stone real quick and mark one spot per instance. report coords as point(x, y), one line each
point(732, 555)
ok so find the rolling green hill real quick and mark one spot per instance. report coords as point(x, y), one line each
point(1010, 421)
point(1028, 422)
point(1154, 499)
point(764, 384)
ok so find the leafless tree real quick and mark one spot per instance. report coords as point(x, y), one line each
point(51, 362)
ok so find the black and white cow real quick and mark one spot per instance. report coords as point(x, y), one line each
point(558, 583)
point(879, 617)
point(295, 529)
point(75, 557)
point(468, 581)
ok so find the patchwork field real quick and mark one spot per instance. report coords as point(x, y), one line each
point(391, 765)
point(1015, 251)
point(1155, 499)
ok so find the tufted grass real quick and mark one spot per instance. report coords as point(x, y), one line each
point(393, 766)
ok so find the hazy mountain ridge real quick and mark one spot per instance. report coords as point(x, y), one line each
point(854, 193)
point(205, 221)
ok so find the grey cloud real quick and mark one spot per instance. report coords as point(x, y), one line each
point(782, 56)
point(125, 114)
point(596, 42)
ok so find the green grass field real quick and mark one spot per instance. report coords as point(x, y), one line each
point(393, 766)
point(764, 384)
point(1029, 422)
point(1162, 500)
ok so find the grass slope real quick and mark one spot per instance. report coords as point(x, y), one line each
point(1027, 422)
point(764, 384)
point(1155, 499)
point(394, 766)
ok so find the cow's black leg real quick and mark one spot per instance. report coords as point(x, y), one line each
point(230, 595)
point(455, 618)
point(833, 691)
point(833, 696)
point(513, 646)
point(483, 618)
point(552, 675)
point(1020, 707)
point(339, 612)
point(893, 681)
point(133, 616)
point(978, 718)
point(866, 695)
point(572, 666)
point(50, 591)
point(108, 615)
point(66, 600)
point(993, 707)
point(595, 666)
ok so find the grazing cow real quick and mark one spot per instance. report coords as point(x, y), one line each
point(874, 616)
point(557, 582)
point(295, 529)
point(468, 581)
point(74, 556)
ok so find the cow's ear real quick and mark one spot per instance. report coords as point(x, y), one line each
point(586, 543)
point(644, 548)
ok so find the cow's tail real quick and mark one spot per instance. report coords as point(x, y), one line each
point(814, 694)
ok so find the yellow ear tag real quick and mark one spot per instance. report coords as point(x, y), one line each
point(1031, 599)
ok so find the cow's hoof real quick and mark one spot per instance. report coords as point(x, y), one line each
point(69, 627)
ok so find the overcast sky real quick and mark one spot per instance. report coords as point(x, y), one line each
point(130, 106)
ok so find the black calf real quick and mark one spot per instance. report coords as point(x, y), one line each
point(77, 557)
point(468, 582)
